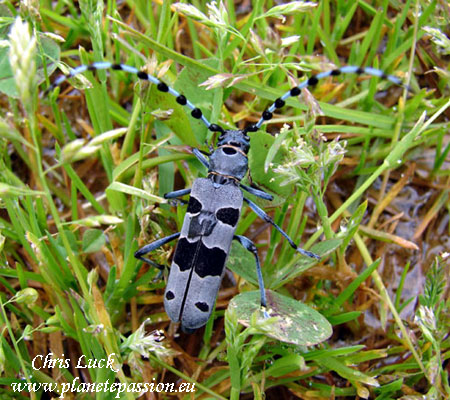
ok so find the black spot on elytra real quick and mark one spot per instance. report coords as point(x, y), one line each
point(228, 215)
point(194, 206)
point(206, 261)
point(202, 306)
point(170, 295)
point(210, 262)
point(184, 253)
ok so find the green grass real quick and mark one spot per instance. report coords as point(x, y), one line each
point(83, 171)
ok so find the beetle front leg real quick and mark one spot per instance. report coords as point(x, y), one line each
point(200, 157)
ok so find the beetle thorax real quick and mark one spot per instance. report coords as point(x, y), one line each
point(229, 159)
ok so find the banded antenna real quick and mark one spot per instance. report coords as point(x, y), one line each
point(162, 87)
point(198, 114)
point(314, 80)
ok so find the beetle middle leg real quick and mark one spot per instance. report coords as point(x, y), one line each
point(266, 218)
point(176, 195)
point(139, 254)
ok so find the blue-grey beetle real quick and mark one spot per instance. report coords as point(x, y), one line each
point(214, 206)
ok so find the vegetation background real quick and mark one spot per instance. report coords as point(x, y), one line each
point(362, 166)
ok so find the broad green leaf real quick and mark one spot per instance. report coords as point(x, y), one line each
point(179, 119)
point(389, 390)
point(296, 323)
point(51, 54)
point(323, 249)
point(285, 365)
point(348, 373)
point(260, 145)
point(188, 82)
point(242, 262)
point(190, 131)
point(93, 240)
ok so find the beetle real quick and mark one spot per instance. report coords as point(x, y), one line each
point(214, 205)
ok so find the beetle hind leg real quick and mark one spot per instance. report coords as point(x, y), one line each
point(189, 331)
point(250, 246)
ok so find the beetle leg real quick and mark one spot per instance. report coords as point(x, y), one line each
point(250, 246)
point(266, 218)
point(200, 157)
point(257, 192)
point(153, 246)
point(177, 193)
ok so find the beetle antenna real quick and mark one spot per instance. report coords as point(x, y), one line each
point(313, 80)
point(162, 87)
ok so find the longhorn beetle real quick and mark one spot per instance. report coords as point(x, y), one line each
point(214, 205)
